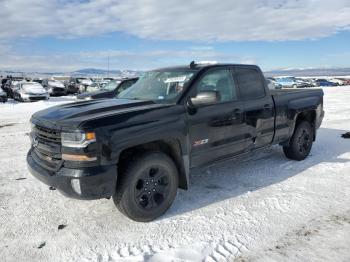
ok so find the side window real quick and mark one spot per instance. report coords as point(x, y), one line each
point(250, 83)
point(125, 85)
point(219, 80)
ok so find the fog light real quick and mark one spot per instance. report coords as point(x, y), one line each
point(76, 186)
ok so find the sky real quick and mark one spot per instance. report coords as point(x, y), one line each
point(67, 35)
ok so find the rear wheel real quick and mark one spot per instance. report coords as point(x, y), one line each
point(147, 187)
point(301, 142)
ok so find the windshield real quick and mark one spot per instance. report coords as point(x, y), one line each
point(111, 85)
point(159, 86)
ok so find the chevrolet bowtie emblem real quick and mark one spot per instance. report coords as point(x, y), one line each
point(35, 142)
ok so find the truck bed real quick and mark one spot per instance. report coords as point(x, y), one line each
point(279, 92)
point(288, 102)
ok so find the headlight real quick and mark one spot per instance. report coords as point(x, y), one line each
point(24, 95)
point(77, 139)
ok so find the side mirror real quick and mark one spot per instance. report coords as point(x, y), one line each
point(205, 98)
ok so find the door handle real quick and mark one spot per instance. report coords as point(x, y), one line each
point(236, 114)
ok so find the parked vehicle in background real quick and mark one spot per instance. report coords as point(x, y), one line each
point(95, 86)
point(310, 82)
point(38, 80)
point(346, 81)
point(111, 90)
point(324, 82)
point(293, 82)
point(54, 87)
point(13, 85)
point(3, 81)
point(303, 83)
point(18, 78)
point(83, 84)
point(72, 85)
point(286, 82)
point(337, 81)
point(3, 95)
point(272, 83)
point(6, 86)
point(30, 91)
point(139, 148)
point(61, 78)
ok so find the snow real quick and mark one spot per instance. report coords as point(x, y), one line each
point(264, 207)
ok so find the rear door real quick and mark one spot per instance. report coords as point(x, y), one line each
point(217, 131)
point(258, 106)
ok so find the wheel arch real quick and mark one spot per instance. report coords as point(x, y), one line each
point(170, 147)
point(309, 116)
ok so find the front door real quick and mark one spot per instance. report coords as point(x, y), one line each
point(217, 131)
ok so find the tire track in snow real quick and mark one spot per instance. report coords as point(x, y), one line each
point(227, 249)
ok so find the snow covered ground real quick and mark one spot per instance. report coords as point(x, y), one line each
point(260, 208)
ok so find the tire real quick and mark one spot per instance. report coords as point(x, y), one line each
point(147, 187)
point(301, 142)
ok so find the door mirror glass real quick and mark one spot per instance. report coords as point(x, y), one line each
point(205, 98)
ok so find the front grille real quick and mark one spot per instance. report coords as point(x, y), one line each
point(58, 89)
point(47, 147)
point(37, 98)
point(46, 161)
point(47, 135)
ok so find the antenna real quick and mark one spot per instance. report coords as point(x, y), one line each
point(192, 64)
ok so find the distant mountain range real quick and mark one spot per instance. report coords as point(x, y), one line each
point(93, 72)
point(87, 72)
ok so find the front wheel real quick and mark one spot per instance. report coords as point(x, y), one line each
point(301, 142)
point(147, 187)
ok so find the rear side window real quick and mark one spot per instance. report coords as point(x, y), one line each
point(250, 83)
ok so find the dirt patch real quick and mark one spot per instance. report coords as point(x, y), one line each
point(346, 135)
point(60, 227)
point(41, 245)
point(309, 236)
point(5, 125)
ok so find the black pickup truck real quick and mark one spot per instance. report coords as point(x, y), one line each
point(140, 148)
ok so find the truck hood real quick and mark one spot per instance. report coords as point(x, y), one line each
point(74, 115)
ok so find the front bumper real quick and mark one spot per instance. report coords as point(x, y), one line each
point(33, 97)
point(57, 91)
point(86, 183)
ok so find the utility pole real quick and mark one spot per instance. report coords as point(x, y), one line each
point(108, 66)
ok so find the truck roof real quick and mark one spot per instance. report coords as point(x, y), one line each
point(199, 66)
